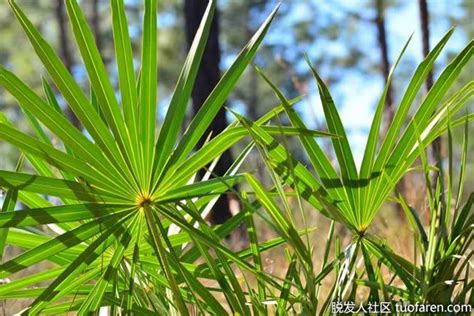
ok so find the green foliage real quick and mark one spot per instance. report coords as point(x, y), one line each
point(354, 197)
point(444, 247)
point(117, 210)
point(123, 233)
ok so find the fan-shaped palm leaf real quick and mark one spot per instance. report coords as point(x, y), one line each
point(120, 189)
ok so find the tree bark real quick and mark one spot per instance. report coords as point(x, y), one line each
point(252, 88)
point(382, 40)
point(425, 32)
point(207, 78)
point(65, 52)
point(385, 67)
point(95, 23)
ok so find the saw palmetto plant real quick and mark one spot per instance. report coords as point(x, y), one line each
point(113, 213)
point(114, 208)
point(442, 274)
point(353, 197)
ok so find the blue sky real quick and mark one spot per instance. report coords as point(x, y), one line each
point(355, 95)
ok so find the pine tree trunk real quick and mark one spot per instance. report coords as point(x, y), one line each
point(425, 32)
point(65, 52)
point(95, 23)
point(382, 40)
point(207, 78)
point(385, 67)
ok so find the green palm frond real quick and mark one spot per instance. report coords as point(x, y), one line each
point(354, 197)
point(121, 190)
